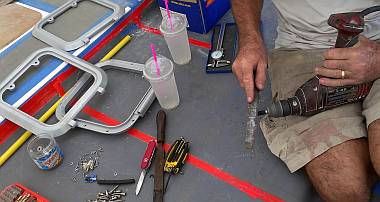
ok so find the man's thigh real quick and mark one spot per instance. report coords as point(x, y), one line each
point(371, 111)
point(296, 139)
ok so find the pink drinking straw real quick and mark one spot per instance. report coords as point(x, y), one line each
point(155, 60)
point(168, 12)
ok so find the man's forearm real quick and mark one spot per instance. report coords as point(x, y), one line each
point(247, 15)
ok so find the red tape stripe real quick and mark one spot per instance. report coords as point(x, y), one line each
point(152, 30)
point(244, 186)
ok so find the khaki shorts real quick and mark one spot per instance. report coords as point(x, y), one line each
point(297, 140)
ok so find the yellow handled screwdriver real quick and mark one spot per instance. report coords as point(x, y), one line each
point(176, 158)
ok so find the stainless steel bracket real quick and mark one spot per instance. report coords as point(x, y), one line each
point(58, 42)
point(66, 123)
point(138, 112)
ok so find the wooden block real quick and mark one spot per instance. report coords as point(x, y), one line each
point(15, 20)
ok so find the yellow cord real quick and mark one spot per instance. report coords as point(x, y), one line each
point(116, 49)
point(22, 139)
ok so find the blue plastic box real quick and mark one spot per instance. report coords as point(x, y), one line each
point(201, 15)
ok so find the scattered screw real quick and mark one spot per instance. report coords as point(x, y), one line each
point(88, 162)
point(110, 195)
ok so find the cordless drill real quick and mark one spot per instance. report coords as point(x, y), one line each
point(312, 98)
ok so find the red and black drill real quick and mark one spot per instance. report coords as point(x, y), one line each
point(312, 98)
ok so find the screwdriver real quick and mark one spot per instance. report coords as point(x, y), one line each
point(176, 158)
point(145, 164)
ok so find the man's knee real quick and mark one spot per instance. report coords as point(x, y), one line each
point(354, 191)
point(334, 188)
point(341, 173)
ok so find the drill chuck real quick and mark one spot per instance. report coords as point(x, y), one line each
point(277, 109)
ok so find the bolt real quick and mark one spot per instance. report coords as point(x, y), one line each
point(112, 190)
point(19, 198)
point(120, 193)
point(103, 198)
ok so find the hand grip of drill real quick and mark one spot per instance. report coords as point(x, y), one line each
point(312, 98)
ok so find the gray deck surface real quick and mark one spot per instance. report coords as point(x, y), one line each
point(211, 114)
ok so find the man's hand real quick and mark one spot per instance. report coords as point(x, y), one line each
point(360, 64)
point(250, 66)
point(251, 62)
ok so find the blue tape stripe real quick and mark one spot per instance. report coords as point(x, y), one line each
point(14, 45)
point(23, 88)
point(42, 72)
point(39, 4)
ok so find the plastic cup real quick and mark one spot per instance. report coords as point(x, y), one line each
point(45, 152)
point(176, 38)
point(164, 85)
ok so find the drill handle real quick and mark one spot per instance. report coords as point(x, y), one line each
point(345, 40)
